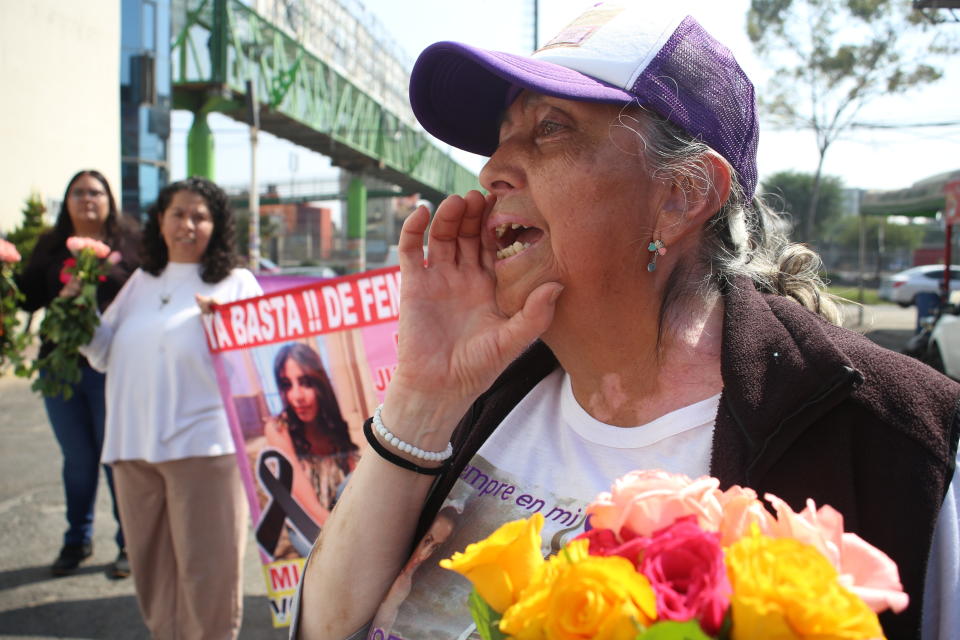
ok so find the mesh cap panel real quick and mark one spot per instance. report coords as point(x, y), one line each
point(695, 83)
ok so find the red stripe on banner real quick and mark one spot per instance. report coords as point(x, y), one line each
point(326, 306)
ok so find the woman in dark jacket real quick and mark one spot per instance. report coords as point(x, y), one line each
point(88, 210)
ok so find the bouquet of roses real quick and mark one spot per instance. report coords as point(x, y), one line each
point(70, 321)
point(667, 557)
point(12, 343)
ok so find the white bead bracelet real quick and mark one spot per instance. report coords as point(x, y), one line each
point(406, 447)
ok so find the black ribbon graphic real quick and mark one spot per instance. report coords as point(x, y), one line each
point(281, 507)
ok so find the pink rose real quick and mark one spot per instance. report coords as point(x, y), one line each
point(100, 249)
point(685, 567)
point(642, 502)
point(75, 244)
point(864, 569)
point(115, 257)
point(741, 509)
point(871, 574)
point(8, 252)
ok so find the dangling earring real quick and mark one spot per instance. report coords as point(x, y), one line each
point(657, 249)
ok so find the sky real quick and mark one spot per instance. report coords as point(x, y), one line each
point(863, 158)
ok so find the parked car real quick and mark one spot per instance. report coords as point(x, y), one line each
point(312, 271)
point(392, 258)
point(268, 266)
point(902, 288)
point(943, 345)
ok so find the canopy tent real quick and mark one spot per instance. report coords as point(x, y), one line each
point(928, 197)
point(923, 198)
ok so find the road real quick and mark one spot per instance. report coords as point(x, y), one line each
point(888, 325)
point(35, 605)
point(88, 604)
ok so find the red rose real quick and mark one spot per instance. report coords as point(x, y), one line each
point(604, 542)
point(69, 263)
point(685, 566)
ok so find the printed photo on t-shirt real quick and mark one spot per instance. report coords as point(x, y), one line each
point(428, 602)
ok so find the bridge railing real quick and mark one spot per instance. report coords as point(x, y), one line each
point(223, 43)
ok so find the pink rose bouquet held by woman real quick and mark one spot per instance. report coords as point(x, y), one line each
point(12, 343)
point(71, 318)
point(666, 557)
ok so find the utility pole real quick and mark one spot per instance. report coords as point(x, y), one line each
point(862, 261)
point(536, 24)
point(253, 112)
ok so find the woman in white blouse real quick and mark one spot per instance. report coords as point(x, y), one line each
point(167, 438)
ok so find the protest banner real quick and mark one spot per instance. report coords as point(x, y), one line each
point(300, 369)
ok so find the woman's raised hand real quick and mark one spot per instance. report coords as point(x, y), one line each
point(454, 340)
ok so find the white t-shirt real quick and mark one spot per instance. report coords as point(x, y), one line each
point(163, 402)
point(525, 466)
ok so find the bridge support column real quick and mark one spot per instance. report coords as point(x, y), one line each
point(200, 146)
point(357, 225)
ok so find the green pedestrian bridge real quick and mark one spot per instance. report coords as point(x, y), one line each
point(220, 47)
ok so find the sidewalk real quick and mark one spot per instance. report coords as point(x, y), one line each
point(888, 325)
point(34, 604)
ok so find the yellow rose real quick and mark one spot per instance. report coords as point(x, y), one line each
point(576, 595)
point(502, 565)
point(785, 590)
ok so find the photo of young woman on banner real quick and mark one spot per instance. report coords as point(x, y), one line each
point(312, 436)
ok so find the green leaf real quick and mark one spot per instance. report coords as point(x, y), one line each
point(727, 627)
point(486, 619)
point(69, 323)
point(671, 630)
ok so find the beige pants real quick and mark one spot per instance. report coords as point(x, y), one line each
point(185, 523)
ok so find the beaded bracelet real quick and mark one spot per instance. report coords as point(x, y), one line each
point(393, 458)
point(406, 447)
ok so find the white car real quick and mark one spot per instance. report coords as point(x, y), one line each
point(311, 271)
point(902, 288)
point(268, 266)
point(943, 348)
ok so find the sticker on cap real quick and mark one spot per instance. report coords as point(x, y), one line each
point(584, 26)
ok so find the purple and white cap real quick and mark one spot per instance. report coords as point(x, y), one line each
point(611, 53)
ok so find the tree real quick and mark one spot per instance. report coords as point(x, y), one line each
point(795, 191)
point(269, 228)
point(896, 236)
point(25, 236)
point(883, 240)
point(831, 57)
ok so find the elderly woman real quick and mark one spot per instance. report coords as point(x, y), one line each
point(619, 301)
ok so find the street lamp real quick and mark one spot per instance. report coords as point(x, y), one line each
point(253, 116)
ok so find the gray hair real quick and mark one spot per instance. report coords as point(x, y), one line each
point(743, 238)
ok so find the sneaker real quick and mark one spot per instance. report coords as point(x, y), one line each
point(121, 566)
point(71, 555)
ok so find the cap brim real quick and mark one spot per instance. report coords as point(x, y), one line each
point(459, 92)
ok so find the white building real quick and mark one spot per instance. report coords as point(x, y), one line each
point(60, 109)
